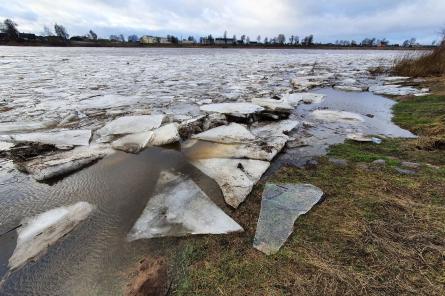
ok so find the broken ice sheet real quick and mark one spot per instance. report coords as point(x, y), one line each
point(61, 137)
point(179, 208)
point(337, 116)
point(235, 177)
point(227, 134)
point(281, 205)
point(234, 109)
point(131, 125)
point(37, 233)
point(55, 165)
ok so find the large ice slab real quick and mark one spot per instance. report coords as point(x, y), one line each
point(133, 143)
point(178, 208)
point(307, 98)
point(38, 233)
point(55, 165)
point(166, 134)
point(64, 137)
point(396, 90)
point(25, 126)
point(235, 177)
point(273, 105)
point(228, 134)
point(131, 125)
point(234, 109)
point(281, 205)
point(337, 116)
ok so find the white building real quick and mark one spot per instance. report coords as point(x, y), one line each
point(148, 40)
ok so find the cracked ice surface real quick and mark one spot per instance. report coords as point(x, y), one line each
point(44, 84)
point(178, 208)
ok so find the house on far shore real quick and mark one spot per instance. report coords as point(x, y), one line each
point(148, 40)
point(163, 40)
point(224, 41)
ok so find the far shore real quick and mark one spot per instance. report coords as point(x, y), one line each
point(245, 46)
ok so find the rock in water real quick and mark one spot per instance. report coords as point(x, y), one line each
point(281, 205)
point(227, 134)
point(63, 137)
point(235, 177)
point(131, 125)
point(233, 109)
point(39, 232)
point(178, 208)
point(133, 143)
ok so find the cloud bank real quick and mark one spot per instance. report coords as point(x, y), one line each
point(328, 20)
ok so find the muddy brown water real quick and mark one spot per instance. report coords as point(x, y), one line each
point(94, 259)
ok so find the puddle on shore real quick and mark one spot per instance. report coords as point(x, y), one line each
point(95, 257)
point(374, 109)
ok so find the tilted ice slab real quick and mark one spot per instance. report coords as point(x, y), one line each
point(24, 126)
point(38, 233)
point(234, 109)
point(228, 134)
point(235, 177)
point(178, 208)
point(131, 125)
point(133, 143)
point(59, 164)
point(273, 105)
point(166, 134)
point(66, 137)
point(307, 98)
point(281, 205)
point(337, 116)
point(269, 141)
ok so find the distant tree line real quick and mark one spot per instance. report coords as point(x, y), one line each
point(10, 32)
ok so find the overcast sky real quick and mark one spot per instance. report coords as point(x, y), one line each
point(328, 20)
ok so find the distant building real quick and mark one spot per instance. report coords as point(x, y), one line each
point(27, 36)
point(187, 42)
point(163, 40)
point(148, 40)
point(223, 41)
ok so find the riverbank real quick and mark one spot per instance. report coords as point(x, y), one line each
point(379, 230)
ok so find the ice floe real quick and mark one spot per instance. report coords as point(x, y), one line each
point(61, 137)
point(273, 105)
point(281, 205)
point(178, 208)
point(25, 126)
point(131, 125)
point(133, 143)
point(337, 116)
point(228, 134)
point(235, 177)
point(166, 134)
point(233, 109)
point(38, 233)
point(308, 98)
point(59, 164)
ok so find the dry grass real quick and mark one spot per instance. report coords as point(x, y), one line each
point(431, 63)
point(377, 232)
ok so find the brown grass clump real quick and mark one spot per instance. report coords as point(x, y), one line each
point(431, 63)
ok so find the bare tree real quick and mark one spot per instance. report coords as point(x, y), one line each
point(243, 38)
point(225, 36)
point(47, 31)
point(9, 27)
point(258, 39)
point(61, 32)
point(234, 39)
point(291, 40)
point(281, 39)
